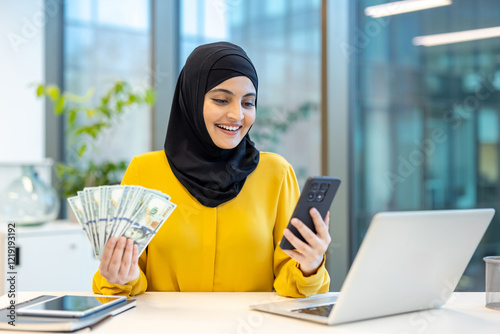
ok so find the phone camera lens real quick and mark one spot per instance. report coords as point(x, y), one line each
point(319, 197)
point(314, 187)
point(323, 186)
point(310, 196)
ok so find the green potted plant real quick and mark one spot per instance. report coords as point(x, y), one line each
point(86, 123)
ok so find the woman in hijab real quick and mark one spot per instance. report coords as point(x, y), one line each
point(233, 202)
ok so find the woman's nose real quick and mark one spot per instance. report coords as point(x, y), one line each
point(235, 112)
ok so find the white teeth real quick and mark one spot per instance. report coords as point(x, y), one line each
point(230, 128)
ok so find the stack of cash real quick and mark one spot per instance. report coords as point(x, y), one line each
point(114, 211)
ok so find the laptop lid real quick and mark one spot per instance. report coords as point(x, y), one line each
point(409, 261)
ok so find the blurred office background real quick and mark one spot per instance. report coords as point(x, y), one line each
point(341, 92)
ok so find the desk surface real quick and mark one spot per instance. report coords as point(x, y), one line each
point(221, 313)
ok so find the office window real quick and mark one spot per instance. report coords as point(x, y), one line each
point(105, 41)
point(283, 39)
point(427, 118)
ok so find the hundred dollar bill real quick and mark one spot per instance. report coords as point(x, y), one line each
point(88, 225)
point(159, 193)
point(92, 198)
point(115, 194)
point(76, 205)
point(103, 218)
point(118, 213)
point(133, 203)
point(149, 218)
point(128, 194)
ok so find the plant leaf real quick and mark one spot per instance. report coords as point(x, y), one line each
point(150, 97)
point(60, 105)
point(105, 110)
point(119, 87)
point(53, 92)
point(80, 99)
point(72, 116)
point(40, 90)
point(132, 99)
point(82, 150)
point(105, 99)
point(90, 112)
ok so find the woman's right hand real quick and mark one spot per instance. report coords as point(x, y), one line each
point(119, 262)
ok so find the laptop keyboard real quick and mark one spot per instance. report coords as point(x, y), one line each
point(322, 311)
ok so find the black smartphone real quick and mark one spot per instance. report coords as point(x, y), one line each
point(318, 192)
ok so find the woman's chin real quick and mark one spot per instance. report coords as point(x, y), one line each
point(227, 144)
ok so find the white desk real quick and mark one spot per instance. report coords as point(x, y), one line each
point(221, 313)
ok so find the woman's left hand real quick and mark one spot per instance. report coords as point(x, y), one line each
point(309, 255)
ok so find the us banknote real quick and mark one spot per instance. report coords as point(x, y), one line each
point(114, 211)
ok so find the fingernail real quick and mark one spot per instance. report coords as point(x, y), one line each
point(295, 221)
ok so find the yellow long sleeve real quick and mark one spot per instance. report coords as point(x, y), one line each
point(289, 279)
point(232, 247)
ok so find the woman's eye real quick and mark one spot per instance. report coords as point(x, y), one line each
point(249, 104)
point(220, 101)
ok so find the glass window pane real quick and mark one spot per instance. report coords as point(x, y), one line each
point(427, 117)
point(115, 44)
point(124, 13)
point(78, 10)
point(216, 25)
point(189, 19)
point(275, 8)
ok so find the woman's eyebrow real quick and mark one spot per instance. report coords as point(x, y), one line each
point(216, 90)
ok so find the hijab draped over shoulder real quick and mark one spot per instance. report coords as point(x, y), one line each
point(211, 174)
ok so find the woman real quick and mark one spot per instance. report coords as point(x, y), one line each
point(233, 202)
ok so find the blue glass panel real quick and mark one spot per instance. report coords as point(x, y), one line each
point(112, 43)
point(78, 10)
point(125, 13)
point(429, 116)
point(275, 8)
point(189, 20)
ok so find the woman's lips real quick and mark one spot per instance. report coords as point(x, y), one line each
point(229, 129)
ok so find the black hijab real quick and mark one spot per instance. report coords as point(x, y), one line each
point(211, 174)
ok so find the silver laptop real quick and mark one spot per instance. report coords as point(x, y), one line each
point(408, 261)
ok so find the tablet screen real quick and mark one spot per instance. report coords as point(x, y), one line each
point(71, 305)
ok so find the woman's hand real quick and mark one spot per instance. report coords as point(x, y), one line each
point(309, 255)
point(119, 262)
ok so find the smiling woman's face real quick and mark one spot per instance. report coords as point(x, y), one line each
point(229, 111)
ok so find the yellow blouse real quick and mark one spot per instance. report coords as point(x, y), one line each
point(232, 247)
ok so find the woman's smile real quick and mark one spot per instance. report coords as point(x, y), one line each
point(229, 129)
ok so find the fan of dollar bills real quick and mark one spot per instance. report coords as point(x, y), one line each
point(114, 211)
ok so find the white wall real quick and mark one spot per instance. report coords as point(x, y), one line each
point(21, 64)
point(22, 120)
